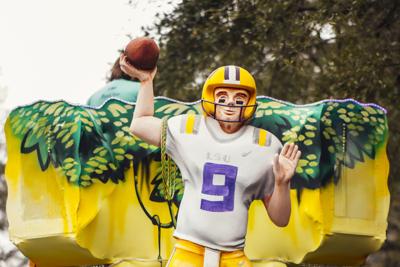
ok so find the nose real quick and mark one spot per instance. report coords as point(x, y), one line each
point(231, 102)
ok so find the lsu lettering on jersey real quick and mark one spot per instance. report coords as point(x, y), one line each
point(222, 173)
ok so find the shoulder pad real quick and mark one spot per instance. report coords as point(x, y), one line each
point(262, 137)
point(190, 124)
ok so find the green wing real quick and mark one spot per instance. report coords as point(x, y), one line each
point(84, 143)
point(88, 143)
point(331, 134)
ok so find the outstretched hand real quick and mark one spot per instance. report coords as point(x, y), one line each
point(141, 75)
point(285, 163)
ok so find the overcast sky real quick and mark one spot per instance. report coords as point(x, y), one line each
point(51, 49)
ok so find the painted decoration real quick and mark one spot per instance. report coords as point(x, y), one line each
point(84, 191)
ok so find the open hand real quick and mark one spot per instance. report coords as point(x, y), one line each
point(141, 75)
point(285, 163)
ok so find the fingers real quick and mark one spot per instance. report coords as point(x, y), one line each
point(123, 64)
point(121, 59)
point(294, 152)
point(133, 72)
point(290, 151)
point(285, 149)
point(297, 157)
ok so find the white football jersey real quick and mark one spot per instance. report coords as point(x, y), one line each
point(222, 173)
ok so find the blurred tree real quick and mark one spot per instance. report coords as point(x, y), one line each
point(299, 51)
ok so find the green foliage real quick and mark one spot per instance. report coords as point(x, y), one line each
point(296, 49)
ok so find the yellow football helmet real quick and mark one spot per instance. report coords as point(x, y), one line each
point(229, 77)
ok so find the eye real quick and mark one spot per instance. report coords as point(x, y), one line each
point(239, 102)
point(221, 100)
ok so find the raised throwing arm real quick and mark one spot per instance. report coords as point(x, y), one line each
point(144, 125)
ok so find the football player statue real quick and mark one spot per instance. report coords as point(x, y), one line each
point(225, 165)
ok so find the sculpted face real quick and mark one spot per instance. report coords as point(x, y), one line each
point(231, 101)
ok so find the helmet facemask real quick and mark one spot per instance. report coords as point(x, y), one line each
point(243, 110)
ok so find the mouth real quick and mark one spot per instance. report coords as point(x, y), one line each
point(229, 112)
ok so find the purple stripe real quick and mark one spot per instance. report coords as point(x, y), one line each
point(237, 73)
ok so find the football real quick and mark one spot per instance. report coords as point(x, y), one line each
point(142, 53)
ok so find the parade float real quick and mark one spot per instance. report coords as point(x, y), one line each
point(82, 190)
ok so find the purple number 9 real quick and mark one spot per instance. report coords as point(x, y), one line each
point(227, 190)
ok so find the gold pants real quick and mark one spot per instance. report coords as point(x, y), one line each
point(188, 254)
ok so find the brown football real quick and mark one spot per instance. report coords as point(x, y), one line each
point(142, 53)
